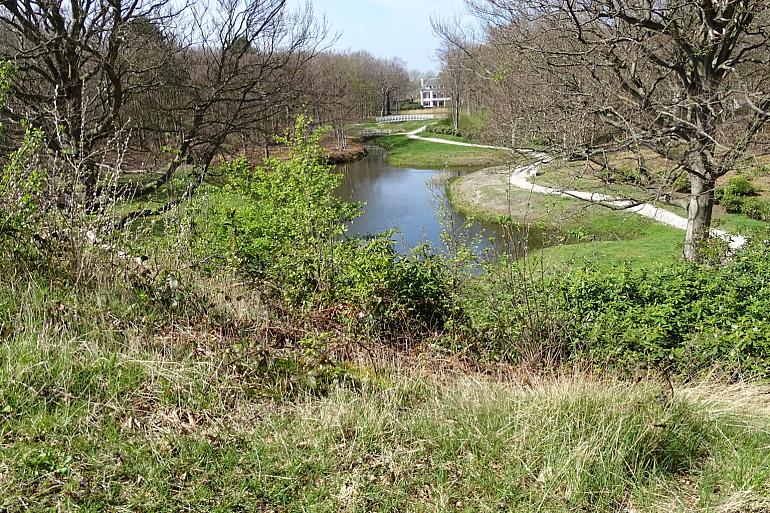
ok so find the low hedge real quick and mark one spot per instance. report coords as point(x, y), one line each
point(681, 319)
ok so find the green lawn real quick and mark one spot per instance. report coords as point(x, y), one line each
point(577, 176)
point(656, 245)
point(595, 233)
point(738, 223)
point(445, 137)
point(604, 237)
point(405, 152)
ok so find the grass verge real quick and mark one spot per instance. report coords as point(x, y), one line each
point(405, 152)
point(583, 177)
point(597, 234)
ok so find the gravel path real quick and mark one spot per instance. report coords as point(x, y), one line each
point(520, 178)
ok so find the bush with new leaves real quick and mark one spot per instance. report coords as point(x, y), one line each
point(735, 193)
point(284, 229)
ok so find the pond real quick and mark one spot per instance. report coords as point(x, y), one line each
point(414, 202)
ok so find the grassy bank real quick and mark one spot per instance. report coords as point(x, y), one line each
point(240, 354)
point(580, 176)
point(655, 246)
point(405, 152)
point(597, 234)
point(148, 415)
point(188, 418)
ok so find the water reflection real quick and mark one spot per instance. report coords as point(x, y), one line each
point(414, 202)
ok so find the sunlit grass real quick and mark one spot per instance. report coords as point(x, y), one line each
point(127, 421)
point(405, 152)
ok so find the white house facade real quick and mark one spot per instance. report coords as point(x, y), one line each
point(433, 94)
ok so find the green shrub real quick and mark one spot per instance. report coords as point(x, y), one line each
point(682, 183)
point(741, 185)
point(474, 128)
point(21, 187)
point(756, 208)
point(626, 173)
point(683, 317)
point(731, 203)
point(442, 127)
point(284, 228)
point(285, 218)
point(410, 105)
point(731, 195)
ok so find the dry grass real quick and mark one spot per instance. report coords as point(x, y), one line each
point(182, 416)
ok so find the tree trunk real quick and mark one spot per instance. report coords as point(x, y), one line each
point(456, 105)
point(699, 213)
point(456, 115)
point(384, 104)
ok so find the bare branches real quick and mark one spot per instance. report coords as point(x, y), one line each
point(183, 82)
point(681, 79)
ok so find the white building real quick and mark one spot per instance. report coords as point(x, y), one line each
point(433, 94)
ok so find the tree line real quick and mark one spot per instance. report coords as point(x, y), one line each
point(117, 87)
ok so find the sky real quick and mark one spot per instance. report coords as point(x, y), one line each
point(389, 28)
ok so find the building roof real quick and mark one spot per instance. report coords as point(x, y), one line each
point(432, 83)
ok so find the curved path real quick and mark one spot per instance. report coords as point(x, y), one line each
point(520, 178)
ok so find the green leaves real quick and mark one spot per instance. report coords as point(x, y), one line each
point(737, 196)
point(21, 185)
point(286, 234)
point(682, 318)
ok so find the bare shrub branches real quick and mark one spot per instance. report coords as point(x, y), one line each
point(683, 81)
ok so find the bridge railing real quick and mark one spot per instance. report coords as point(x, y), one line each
point(374, 132)
point(401, 119)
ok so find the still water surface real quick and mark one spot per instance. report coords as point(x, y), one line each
point(414, 202)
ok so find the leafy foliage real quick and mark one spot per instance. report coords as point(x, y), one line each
point(21, 185)
point(286, 233)
point(682, 318)
point(443, 127)
point(739, 185)
point(756, 208)
point(735, 197)
point(287, 216)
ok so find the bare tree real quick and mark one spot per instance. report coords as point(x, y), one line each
point(392, 78)
point(242, 70)
point(336, 85)
point(191, 79)
point(72, 77)
point(685, 80)
point(453, 76)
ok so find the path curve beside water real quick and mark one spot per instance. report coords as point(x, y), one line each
point(519, 178)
